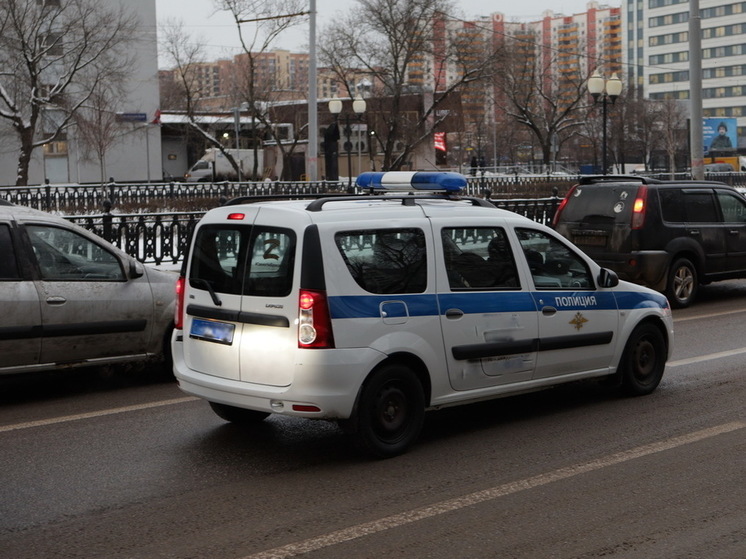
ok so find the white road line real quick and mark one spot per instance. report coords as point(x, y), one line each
point(443, 507)
point(711, 315)
point(708, 357)
point(101, 413)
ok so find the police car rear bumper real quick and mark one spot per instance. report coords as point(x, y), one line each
point(325, 385)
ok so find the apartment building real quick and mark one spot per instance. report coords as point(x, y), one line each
point(657, 50)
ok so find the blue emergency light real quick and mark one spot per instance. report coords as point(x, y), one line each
point(412, 180)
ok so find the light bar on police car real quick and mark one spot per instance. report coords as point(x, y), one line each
point(412, 180)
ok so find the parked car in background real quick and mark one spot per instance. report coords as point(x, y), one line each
point(669, 235)
point(71, 299)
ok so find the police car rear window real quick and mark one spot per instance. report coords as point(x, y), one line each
point(239, 260)
point(385, 260)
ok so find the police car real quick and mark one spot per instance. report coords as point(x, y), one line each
point(372, 309)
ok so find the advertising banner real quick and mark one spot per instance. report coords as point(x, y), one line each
point(719, 134)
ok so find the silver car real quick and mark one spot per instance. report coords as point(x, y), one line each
point(71, 299)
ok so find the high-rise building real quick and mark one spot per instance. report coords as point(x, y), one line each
point(658, 54)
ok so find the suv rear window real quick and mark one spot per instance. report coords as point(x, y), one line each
point(601, 202)
point(385, 260)
point(244, 260)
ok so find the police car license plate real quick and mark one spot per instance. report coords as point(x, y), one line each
point(212, 331)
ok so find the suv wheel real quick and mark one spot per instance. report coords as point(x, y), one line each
point(682, 283)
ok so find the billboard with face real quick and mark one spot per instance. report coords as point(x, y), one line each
point(720, 134)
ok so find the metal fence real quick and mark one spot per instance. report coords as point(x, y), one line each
point(163, 237)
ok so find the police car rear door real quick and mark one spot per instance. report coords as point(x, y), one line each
point(488, 316)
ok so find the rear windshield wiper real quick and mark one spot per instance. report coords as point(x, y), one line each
point(211, 291)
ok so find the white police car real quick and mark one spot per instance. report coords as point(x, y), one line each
point(371, 309)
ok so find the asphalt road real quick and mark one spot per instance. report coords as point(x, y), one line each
point(121, 466)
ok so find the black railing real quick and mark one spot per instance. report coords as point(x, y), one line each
point(163, 238)
point(162, 235)
point(173, 196)
point(75, 199)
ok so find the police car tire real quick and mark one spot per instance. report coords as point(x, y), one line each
point(682, 283)
point(239, 416)
point(643, 360)
point(391, 412)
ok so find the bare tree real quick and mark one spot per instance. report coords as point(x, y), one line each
point(53, 56)
point(186, 54)
point(398, 36)
point(672, 121)
point(536, 96)
point(259, 23)
point(97, 124)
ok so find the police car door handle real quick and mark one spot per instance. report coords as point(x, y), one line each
point(548, 311)
point(56, 300)
point(454, 314)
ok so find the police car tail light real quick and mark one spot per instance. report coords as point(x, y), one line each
point(638, 210)
point(179, 308)
point(562, 205)
point(314, 320)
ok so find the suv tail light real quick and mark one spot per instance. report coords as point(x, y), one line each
point(562, 205)
point(179, 308)
point(640, 207)
point(314, 320)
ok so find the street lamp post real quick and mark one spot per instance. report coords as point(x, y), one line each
point(358, 108)
point(605, 89)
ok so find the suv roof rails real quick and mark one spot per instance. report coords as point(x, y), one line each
point(598, 179)
point(595, 179)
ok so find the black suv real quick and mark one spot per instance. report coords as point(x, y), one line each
point(668, 235)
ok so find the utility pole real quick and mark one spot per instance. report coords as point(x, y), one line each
point(695, 91)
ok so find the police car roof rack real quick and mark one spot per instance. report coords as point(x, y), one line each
point(409, 186)
point(271, 197)
point(406, 200)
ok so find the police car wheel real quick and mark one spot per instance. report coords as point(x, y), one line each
point(391, 412)
point(682, 283)
point(239, 416)
point(643, 361)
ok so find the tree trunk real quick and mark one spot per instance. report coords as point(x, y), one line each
point(26, 136)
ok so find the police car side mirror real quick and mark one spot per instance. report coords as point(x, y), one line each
point(607, 278)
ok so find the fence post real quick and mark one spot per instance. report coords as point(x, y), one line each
point(106, 220)
point(47, 196)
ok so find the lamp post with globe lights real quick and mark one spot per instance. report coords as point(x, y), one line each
point(605, 90)
point(358, 108)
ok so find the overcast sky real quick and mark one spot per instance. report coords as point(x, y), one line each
point(219, 33)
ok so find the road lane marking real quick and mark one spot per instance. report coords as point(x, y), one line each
point(711, 315)
point(708, 357)
point(387, 523)
point(100, 413)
